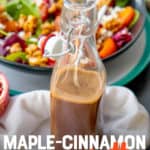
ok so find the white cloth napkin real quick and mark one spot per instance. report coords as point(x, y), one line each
point(120, 111)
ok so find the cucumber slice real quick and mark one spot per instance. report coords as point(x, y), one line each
point(32, 40)
point(18, 55)
point(3, 32)
point(135, 20)
point(122, 3)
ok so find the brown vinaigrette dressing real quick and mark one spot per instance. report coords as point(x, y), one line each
point(75, 97)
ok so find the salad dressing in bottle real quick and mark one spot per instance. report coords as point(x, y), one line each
point(79, 77)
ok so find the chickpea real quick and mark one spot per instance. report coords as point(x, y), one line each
point(44, 60)
point(37, 53)
point(31, 49)
point(43, 65)
point(103, 2)
point(48, 28)
point(53, 8)
point(59, 4)
point(22, 20)
point(30, 24)
point(34, 61)
point(15, 48)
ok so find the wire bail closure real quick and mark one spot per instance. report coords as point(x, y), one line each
point(60, 46)
point(57, 45)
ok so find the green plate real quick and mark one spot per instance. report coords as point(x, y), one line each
point(144, 61)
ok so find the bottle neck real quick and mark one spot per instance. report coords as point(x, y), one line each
point(80, 17)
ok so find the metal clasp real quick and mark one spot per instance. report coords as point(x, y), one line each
point(59, 45)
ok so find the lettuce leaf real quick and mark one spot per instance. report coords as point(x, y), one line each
point(27, 7)
point(15, 56)
point(3, 2)
point(122, 3)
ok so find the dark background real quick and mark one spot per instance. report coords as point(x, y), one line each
point(141, 87)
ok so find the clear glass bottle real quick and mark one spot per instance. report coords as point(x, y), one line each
point(79, 77)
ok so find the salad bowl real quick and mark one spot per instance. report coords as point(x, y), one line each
point(135, 31)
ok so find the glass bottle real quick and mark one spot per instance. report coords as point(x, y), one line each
point(79, 77)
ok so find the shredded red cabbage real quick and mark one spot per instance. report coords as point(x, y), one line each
point(14, 38)
point(122, 37)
